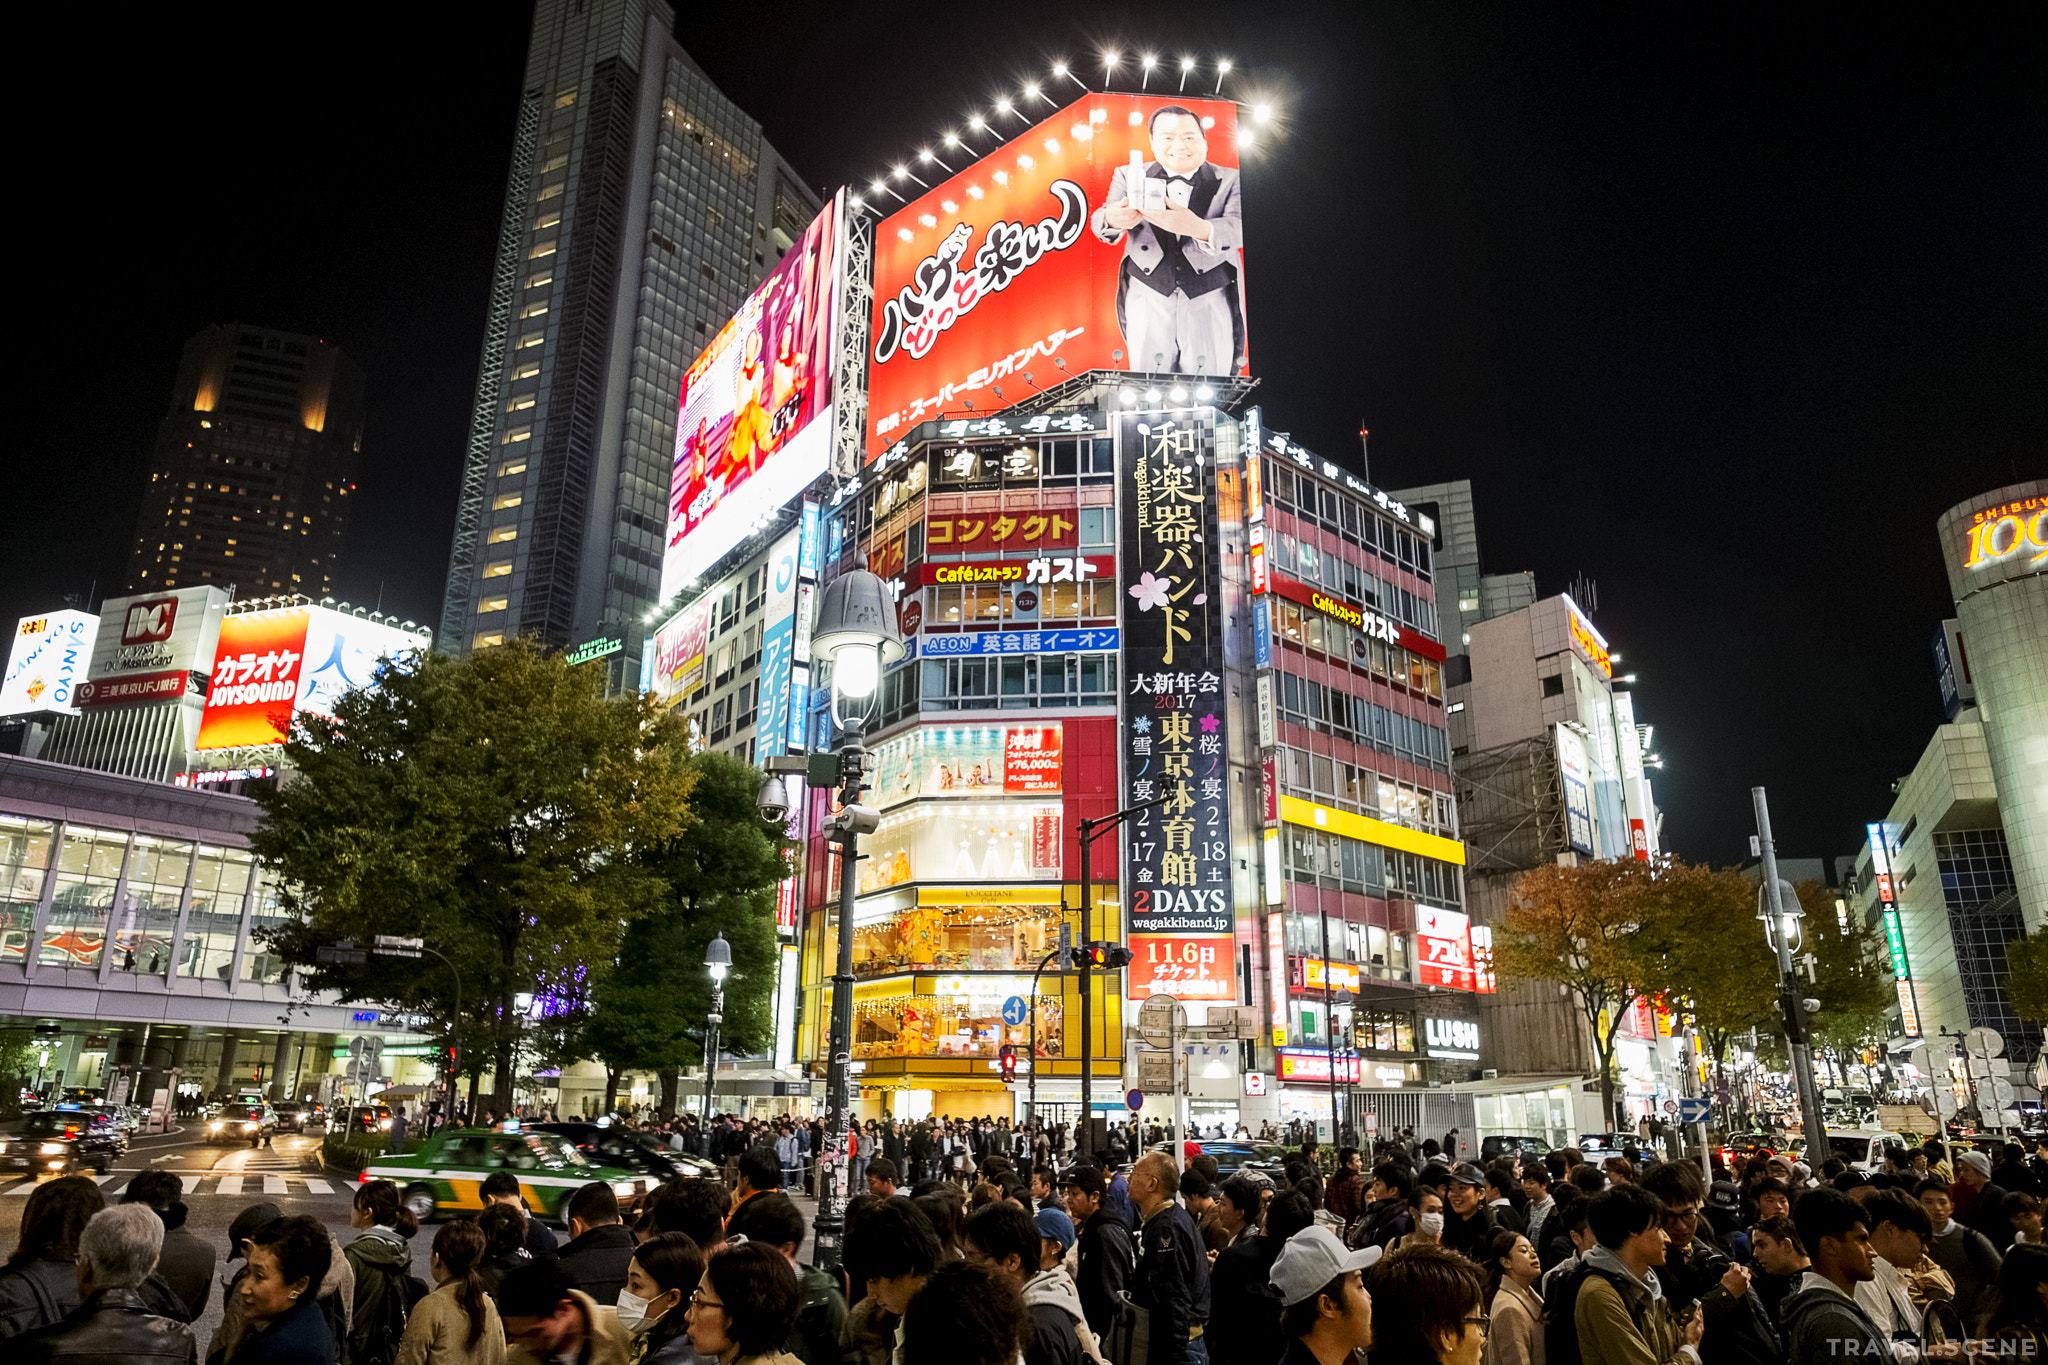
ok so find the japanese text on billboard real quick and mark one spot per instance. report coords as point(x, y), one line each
point(1109, 236)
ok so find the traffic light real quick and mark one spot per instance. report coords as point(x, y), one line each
point(1007, 1058)
point(1100, 956)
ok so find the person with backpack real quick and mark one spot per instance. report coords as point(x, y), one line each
point(386, 1288)
point(1610, 1309)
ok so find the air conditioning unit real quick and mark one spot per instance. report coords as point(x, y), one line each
point(1489, 1075)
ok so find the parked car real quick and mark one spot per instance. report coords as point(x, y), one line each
point(1498, 1145)
point(629, 1150)
point(238, 1120)
point(445, 1173)
point(1262, 1161)
point(361, 1118)
point(291, 1116)
point(1862, 1148)
point(63, 1140)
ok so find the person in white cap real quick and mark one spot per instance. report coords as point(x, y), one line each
point(1325, 1313)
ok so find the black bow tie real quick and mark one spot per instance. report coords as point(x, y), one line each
point(1180, 180)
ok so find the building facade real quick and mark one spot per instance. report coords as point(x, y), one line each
point(1261, 657)
point(1995, 547)
point(254, 468)
point(640, 208)
point(132, 950)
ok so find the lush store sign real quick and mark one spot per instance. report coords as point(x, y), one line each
point(1177, 851)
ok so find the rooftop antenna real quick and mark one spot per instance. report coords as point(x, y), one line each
point(1585, 591)
point(1365, 449)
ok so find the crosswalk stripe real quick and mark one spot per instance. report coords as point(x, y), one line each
point(316, 1186)
point(230, 1184)
point(21, 1190)
point(274, 1184)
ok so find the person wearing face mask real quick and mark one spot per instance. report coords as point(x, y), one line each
point(664, 1272)
point(1429, 1221)
point(457, 1324)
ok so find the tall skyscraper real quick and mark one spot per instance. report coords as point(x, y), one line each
point(640, 209)
point(254, 467)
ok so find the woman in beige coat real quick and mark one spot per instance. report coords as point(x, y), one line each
point(457, 1324)
point(1515, 1336)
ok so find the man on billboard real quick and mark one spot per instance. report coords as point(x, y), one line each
point(1181, 224)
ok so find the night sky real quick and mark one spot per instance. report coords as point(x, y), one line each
point(1719, 311)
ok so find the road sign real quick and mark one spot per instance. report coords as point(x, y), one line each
point(1372, 1124)
point(1254, 1083)
point(1235, 1021)
point(1984, 1042)
point(1015, 1011)
point(1156, 1071)
point(1694, 1110)
point(1135, 1101)
point(1159, 1018)
point(1671, 1106)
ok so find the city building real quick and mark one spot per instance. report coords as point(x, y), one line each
point(1465, 592)
point(1309, 866)
point(1552, 765)
point(130, 948)
point(254, 467)
point(1937, 874)
point(641, 206)
point(1995, 547)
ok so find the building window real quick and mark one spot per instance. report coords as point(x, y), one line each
point(516, 435)
point(540, 278)
point(745, 701)
point(541, 249)
point(565, 98)
point(721, 719)
point(533, 310)
point(530, 339)
point(1553, 686)
point(550, 191)
point(511, 467)
point(751, 652)
point(499, 535)
point(499, 569)
point(491, 604)
point(490, 641)
point(506, 500)
point(554, 163)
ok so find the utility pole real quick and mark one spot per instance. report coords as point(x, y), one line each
point(1089, 830)
point(1812, 1120)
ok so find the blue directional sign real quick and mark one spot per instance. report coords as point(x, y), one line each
point(1015, 1011)
point(1695, 1110)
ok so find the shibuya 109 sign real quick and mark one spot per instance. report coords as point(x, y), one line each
point(1177, 852)
point(1107, 237)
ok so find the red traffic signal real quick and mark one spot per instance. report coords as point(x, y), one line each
point(1007, 1059)
point(1100, 956)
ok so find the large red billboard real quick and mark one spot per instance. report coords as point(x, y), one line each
point(1047, 250)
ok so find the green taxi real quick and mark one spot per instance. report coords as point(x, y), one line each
point(445, 1174)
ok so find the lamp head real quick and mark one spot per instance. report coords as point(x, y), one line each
point(718, 959)
point(855, 631)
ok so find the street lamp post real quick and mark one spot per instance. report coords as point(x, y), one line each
point(717, 961)
point(1089, 831)
point(856, 634)
point(1781, 925)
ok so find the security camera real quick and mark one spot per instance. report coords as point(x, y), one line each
point(1810, 1006)
point(773, 803)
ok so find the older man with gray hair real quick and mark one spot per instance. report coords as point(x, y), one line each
point(113, 1325)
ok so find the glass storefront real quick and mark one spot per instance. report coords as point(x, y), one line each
point(956, 937)
point(1544, 1113)
point(944, 841)
point(963, 1017)
point(24, 863)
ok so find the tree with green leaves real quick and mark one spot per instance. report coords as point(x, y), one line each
point(648, 1013)
point(498, 806)
point(1601, 929)
point(2026, 982)
point(1718, 973)
point(1843, 964)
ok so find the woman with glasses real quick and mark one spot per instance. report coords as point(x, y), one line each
point(1512, 1269)
point(1443, 1308)
point(743, 1307)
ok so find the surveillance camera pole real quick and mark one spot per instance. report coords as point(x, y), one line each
point(835, 1162)
point(1810, 1115)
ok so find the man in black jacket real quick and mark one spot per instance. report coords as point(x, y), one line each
point(1468, 1222)
point(1002, 1237)
point(1387, 1215)
point(1244, 1315)
point(1172, 1280)
point(116, 1253)
point(600, 1246)
point(1699, 1271)
point(1107, 1256)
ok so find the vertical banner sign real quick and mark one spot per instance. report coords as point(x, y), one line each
point(1177, 878)
point(777, 644)
point(1276, 968)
